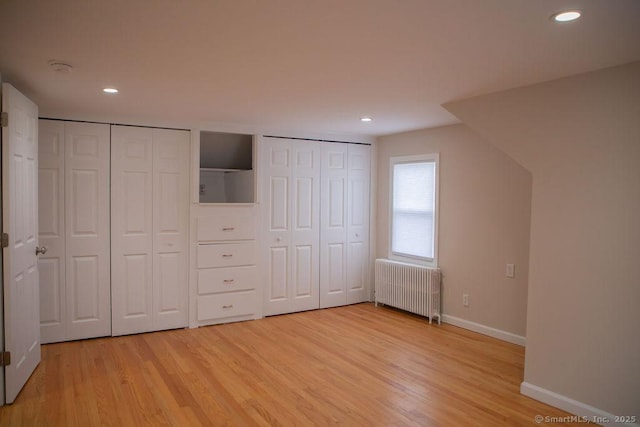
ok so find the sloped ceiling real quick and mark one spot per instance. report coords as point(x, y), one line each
point(299, 64)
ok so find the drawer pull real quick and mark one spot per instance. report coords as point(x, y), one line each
point(228, 306)
point(227, 255)
point(228, 228)
point(228, 281)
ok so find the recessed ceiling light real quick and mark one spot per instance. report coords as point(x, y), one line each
point(110, 90)
point(566, 16)
point(366, 119)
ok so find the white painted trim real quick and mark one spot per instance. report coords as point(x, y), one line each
point(565, 403)
point(485, 330)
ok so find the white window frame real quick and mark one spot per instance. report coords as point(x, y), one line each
point(429, 262)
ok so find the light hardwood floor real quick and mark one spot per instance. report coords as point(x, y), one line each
point(354, 365)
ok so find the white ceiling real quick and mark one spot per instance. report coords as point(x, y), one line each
point(298, 65)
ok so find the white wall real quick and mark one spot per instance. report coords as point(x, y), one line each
point(580, 137)
point(484, 223)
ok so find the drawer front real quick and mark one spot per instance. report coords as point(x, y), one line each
point(226, 255)
point(226, 305)
point(226, 227)
point(230, 279)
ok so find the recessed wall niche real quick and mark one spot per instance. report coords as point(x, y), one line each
point(226, 168)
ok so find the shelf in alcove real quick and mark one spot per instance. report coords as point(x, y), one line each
point(223, 170)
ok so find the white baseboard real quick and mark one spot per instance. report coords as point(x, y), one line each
point(485, 330)
point(582, 410)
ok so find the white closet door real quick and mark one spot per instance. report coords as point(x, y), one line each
point(277, 156)
point(75, 296)
point(170, 228)
point(51, 266)
point(358, 213)
point(333, 237)
point(305, 225)
point(131, 229)
point(87, 234)
point(291, 192)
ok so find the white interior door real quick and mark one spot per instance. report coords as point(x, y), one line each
point(291, 193)
point(51, 266)
point(149, 220)
point(305, 226)
point(358, 213)
point(333, 237)
point(170, 228)
point(75, 288)
point(20, 223)
point(131, 229)
point(87, 237)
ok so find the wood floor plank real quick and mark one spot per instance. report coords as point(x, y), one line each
point(354, 365)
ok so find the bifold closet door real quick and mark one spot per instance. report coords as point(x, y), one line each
point(291, 189)
point(75, 300)
point(149, 221)
point(333, 236)
point(358, 216)
point(344, 237)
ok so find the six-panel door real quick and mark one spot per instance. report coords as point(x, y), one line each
point(149, 220)
point(75, 297)
point(333, 238)
point(344, 238)
point(291, 189)
point(20, 224)
point(358, 214)
point(316, 211)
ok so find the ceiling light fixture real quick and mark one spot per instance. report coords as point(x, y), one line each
point(110, 90)
point(566, 16)
point(366, 119)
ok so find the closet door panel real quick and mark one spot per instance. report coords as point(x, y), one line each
point(276, 190)
point(51, 266)
point(333, 237)
point(304, 271)
point(305, 233)
point(74, 226)
point(357, 272)
point(278, 274)
point(83, 275)
point(334, 286)
point(291, 191)
point(132, 299)
point(170, 228)
point(358, 223)
point(132, 229)
point(52, 304)
point(279, 199)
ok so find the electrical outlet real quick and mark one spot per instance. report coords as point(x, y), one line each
point(511, 270)
point(465, 300)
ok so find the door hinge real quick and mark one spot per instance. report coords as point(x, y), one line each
point(5, 358)
point(5, 240)
point(4, 119)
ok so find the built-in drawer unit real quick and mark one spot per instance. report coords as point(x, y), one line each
point(226, 254)
point(225, 281)
point(221, 306)
point(230, 279)
point(226, 227)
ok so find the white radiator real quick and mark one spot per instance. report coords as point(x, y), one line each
point(408, 287)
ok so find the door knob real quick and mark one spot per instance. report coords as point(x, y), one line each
point(41, 250)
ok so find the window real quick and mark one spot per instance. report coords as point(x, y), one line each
point(414, 198)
